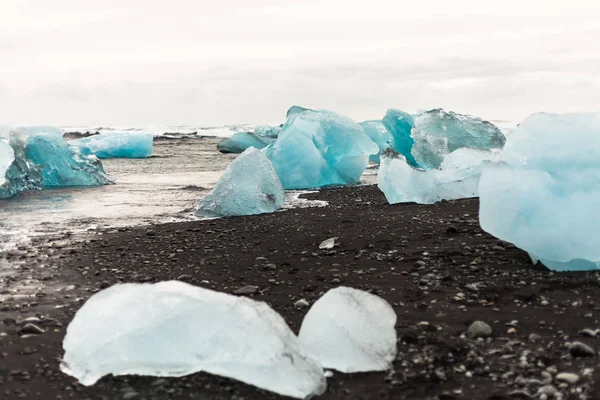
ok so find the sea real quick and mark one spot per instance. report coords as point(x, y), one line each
point(163, 188)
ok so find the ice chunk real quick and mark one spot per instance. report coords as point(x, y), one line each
point(399, 124)
point(241, 141)
point(380, 135)
point(320, 148)
point(116, 145)
point(248, 186)
point(293, 110)
point(267, 131)
point(437, 133)
point(7, 156)
point(351, 331)
point(458, 177)
point(22, 175)
point(35, 130)
point(175, 329)
point(544, 195)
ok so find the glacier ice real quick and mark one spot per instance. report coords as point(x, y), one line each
point(458, 177)
point(437, 133)
point(400, 124)
point(7, 156)
point(380, 135)
point(116, 145)
point(38, 129)
point(293, 110)
point(175, 329)
point(267, 131)
point(351, 331)
point(544, 194)
point(320, 148)
point(248, 186)
point(241, 141)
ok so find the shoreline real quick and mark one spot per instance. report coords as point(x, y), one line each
point(432, 263)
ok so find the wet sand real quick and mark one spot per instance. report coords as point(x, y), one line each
point(433, 263)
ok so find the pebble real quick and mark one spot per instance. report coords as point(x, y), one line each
point(248, 289)
point(479, 329)
point(452, 229)
point(31, 329)
point(588, 333)
point(270, 267)
point(104, 285)
point(534, 337)
point(568, 378)
point(302, 303)
point(578, 349)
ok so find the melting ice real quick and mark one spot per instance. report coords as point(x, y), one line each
point(116, 145)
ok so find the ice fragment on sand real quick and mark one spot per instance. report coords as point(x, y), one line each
point(175, 329)
point(320, 148)
point(437, 133)
point(458, 177)
point(351, 331)
point(544, 194)
point(400, 124)
point(248, 186)
point(327, 244)
point(378, 134)
point(116, 145)
point(241, 141)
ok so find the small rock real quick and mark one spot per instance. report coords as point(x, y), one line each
point(31, 329)
point(302, 303)
point(578, 349)
point(104, 285)
point(534, 337)
point(270, 267)
point(184, 278)
point(512, 331)
point(452, 229)
point(248, 289)
point(150, 233)
point(569, 378)
point(588, 333)
point(130, 395)
point(479, 329)
point(327, 244)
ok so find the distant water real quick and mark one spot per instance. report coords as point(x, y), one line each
point(173, 131)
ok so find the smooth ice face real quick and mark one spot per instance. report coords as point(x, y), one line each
point(438, 133)
point(63, 165)
point(400, 124)
point(116, 145)
point(241, 141)
point(7, 156)
point(544, 194)
point(377, 132)
point(458, 177)
point(351, 331)
point(248, 186)
point(175, 329)
point(320, 148)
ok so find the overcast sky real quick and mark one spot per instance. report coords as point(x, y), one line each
point(207, 62)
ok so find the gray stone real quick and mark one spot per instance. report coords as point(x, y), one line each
point(568, 378)
point(248, 289)
point(479, 329)
point(578, 349)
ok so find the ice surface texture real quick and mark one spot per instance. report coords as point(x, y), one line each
point(400, 124)
point(248, 186)
point(7, 156)
point(457, 178)
point(544, 196)
point(267, 131)
point(380, 135)
point(116, 145)
point(320, 148)
point(175, 329)
point(437, 133)
point(351, 331)
point(241, 141)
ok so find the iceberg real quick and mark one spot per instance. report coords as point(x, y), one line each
point(457, 178)
point(351, 331)
point(7, 156)
point(241, 141)
point(437, 133)
point(116, 145)
point(400, 124)
point(544, 194)
point(248, 186)
point(171, 329)
point(320, 148)
point(380, 135)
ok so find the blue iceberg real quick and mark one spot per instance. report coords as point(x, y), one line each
point(457, 177)
point(437, 133)
point(320, 148)
point(267, 131)
point(380, 135)
point(400, 124)
point(241, 141)
point(544, 194)
point(116, 145)
point(248, 186)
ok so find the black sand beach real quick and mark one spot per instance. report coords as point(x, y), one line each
point(433, 263)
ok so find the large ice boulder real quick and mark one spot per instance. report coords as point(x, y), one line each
point(544, 194)
point(241, 141)
point(457, 177)
point(175, 329)
point(320, 148)
point(248, 186)
point(400, 124)
point(116, 145)
point(351, 331)
point(437, 133)
point(378, 134)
